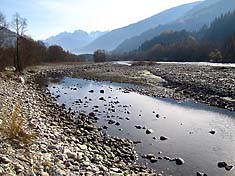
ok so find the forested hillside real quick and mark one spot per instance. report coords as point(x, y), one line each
point(212, 43)
point(202, 14)
point(113, 38)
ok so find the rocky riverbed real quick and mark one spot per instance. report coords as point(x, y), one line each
point(70, 145)
point(212, 85)
point(64, 144)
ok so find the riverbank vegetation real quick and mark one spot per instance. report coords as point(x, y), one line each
point(21, 51)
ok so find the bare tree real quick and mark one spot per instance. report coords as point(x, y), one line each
point(3, 23)
point(19, 25)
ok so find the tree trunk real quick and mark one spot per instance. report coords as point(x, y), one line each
point(18, 68)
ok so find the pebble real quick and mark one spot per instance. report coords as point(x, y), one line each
point(4, 160)
point(70, 154)
point(201, 174)
point(82, 147)
point(179, 161)
point(212, 132)
point(163, 138)
point(149, 131)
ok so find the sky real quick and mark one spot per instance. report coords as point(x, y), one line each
point(46, 18)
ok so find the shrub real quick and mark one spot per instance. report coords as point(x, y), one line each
point(14, 128)
point(99, 56)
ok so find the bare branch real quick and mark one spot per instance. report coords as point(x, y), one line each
point(19, 25)
point(3, 23)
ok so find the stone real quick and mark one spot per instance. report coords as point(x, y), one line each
point(167, 158)
point(138, 127)
point(222, 164)
point(19, 168)
point(163, 138)
point(102, 99)
point(229, 167)
point(111, 121)
point(149, 156)
point(101, 91)
point(153, 160)
point(117, 170)
point(82, 147)
point(52, 147)
point(67, 163)
point(212, 132)
point(4, 160)
point(117, 124)
point(60, 157)
point(22, 80)
point(57, 172)
point(70, 154)
point(149, 131)
point(92, 114)
point(105, 127)
point(80, 155)
point(179, 161)
point(91, 91)
point(201, 174)
point(44, 174)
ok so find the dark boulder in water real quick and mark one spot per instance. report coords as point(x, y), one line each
point(163, 138)
point(179, 161)
point(212, 132)
point(92, 114)
point(149, 131)
point(222, 164)
point(153, 160)
point(201, 174)
point(138, 127)
point(229, 167)
point(102, 99)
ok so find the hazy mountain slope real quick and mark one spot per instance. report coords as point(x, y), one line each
point(112, 39)
point(203, 13)
point(75, 40)
point(7, 38)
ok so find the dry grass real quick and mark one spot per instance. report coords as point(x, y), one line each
point(14, 129)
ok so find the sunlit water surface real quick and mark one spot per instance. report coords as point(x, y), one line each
point(186, 125)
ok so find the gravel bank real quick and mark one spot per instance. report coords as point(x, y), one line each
point(214, 86)
point(65, 144)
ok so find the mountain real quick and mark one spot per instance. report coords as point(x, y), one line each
point(75, 40)
point(201, 14)
point(212, 43)
point(113, 38)
point(7, 38)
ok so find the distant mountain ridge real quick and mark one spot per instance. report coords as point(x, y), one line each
point(201, 14)
point(75, 40)
point(112, 39)
point(7, 38)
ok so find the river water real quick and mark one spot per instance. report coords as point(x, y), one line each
point(186, 125)
point(128, 63)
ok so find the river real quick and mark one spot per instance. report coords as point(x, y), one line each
point(186, 125)
point(128, 63)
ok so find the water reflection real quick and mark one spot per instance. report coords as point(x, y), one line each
point(186, 125)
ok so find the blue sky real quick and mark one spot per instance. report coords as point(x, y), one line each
point(50, 17)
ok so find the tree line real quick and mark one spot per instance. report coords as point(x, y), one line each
point(19, 50)
point(215, 43)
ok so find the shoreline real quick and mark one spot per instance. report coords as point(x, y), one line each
point(214, 86)
point(65, 144)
